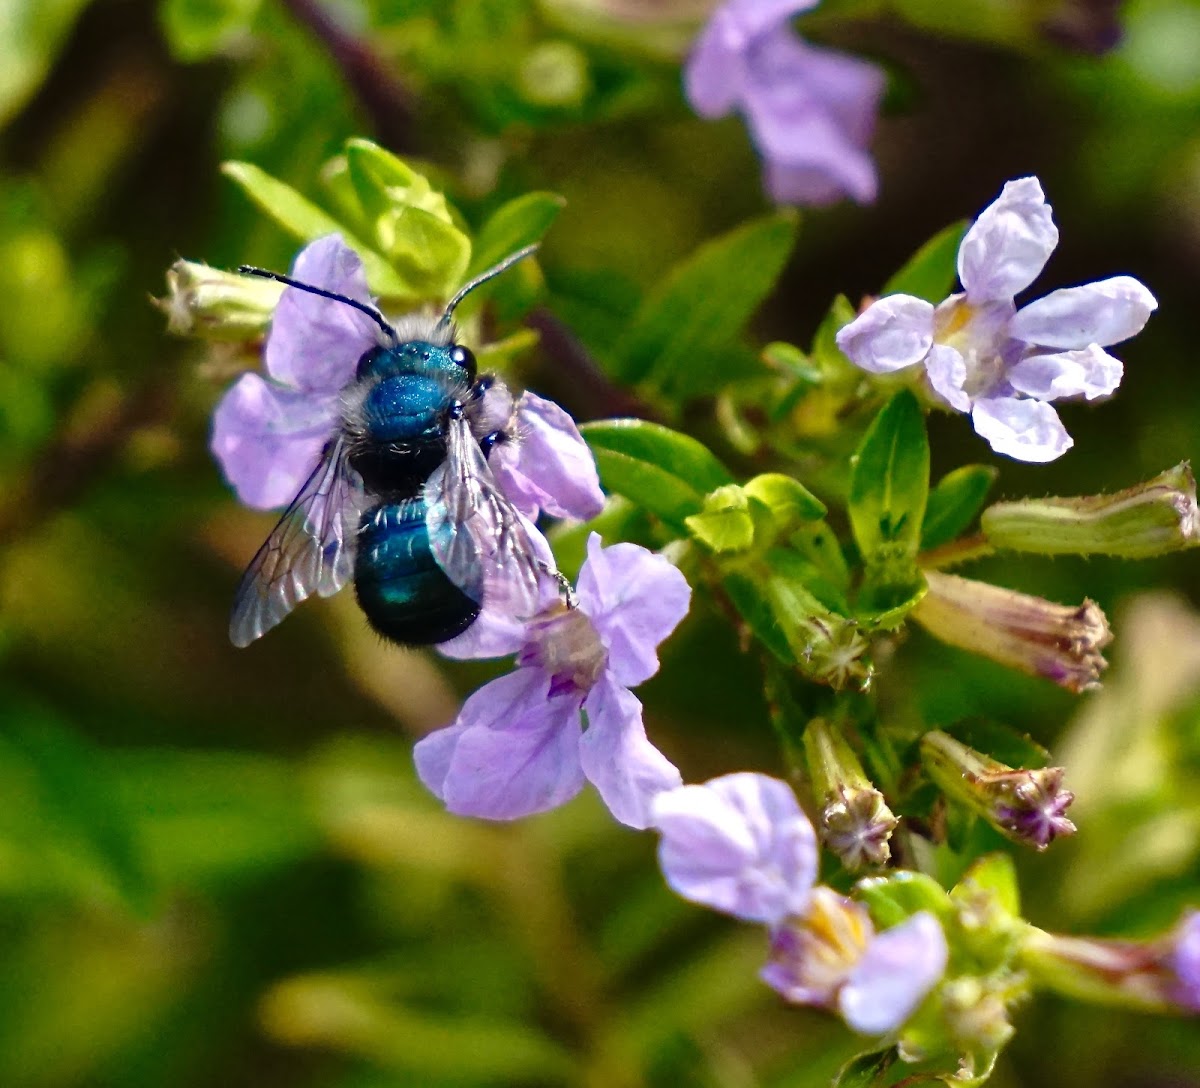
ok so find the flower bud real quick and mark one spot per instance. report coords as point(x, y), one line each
point(1023, 632)
point(1025, 805)
point(1158, 975)
point(1153, 518)
point(829, 648)
point(855, 821)
point(216, 305)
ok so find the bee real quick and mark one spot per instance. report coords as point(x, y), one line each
point(402, 499)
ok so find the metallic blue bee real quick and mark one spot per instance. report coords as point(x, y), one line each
point(402, 498)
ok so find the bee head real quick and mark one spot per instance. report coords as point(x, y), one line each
point(465, 358)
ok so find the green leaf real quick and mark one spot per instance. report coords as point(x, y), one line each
point(932, 271)
point(76, 801)
point(429, 255)
point(665, 472)
point(302, 219)
point(826, 356)
point(889, 482)
point(786, 497)
point(197, 29)
point(954, 502)
point(34, 32)
point(994, 873)
point(884, 605)
point(757, 609)
point(891, 899)
point(514, 225)
point(704, 303)
point(866, 1070)
point(725, 524)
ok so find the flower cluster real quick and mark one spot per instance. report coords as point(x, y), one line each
point(983, 355)
point(742, 845)
point(811, 111)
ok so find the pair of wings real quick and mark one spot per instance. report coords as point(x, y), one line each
point(484, 545)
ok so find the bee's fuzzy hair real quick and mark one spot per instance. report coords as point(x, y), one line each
point(419, 326)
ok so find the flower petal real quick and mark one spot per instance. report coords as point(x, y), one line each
point(268, 439)
point(1091, 373)
point(1028, 430)
point(1008, 245)
point(315, 343)
point(715, 71)
point(1184, 961)
point(811, 112)
point(548, 466)
point(635, 599)
point(493, 634)
point(618, 759)
point(890, 334)
point(432, 755)
point(947, 373)
point(1103, 313)
point(899, 967)
point(739, 844)
point(516, 752)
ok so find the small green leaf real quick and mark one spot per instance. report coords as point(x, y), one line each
point(883, 605)
point(704, 303)
point(197, 29)
point(954, 502)
point(889, 482)
point(725, 524)
point(665, 472)
point(932, 271)
point(304, 220)
point(787, 498)
point(514, 225)
point(891, 899)
point(826, 356)
point(994, 873)
point(429, 255)
point(755, 607)
point(867, 1070)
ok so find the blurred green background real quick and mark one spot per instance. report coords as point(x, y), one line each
point(216, 866)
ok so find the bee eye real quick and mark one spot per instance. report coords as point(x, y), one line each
point(465, 358)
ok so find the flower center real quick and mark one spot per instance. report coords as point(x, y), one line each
point(979, 334)
point(819, 950)
point(564, 642)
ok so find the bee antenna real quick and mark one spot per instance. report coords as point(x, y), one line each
point(362, 307)
point(482, 278)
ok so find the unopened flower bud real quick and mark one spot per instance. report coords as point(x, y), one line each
point(829, 648)
point(217, 305)
point(1158, 975)
point(1027, 806)
point(1153, 518)
point(1028, 633)
point(855, 821)
point(976, 1012)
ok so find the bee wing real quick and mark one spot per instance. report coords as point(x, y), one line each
point(309, 550)
point(485, 546)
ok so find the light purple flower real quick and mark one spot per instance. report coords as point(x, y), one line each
point(811, 111)
point(739, 844)
point(1184, 961)
point(545, 464)
point(520, 744)
point(834, 959)
point(984, 356)
point(742, 845)
point(268, 432)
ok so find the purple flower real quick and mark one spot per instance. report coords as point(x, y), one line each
point(545, 464)
point(268, 432)
point(739, 844)
point(1184, 961)
point(811, 111)
point(984, 356)
point(834, 959)
point(742, 845)
point(527, 742)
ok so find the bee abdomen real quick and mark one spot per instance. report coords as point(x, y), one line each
point(406, 596)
